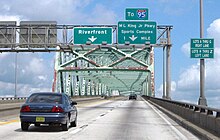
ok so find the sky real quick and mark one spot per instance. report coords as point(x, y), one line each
point(35, 70)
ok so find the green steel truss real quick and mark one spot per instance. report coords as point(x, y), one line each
point(90, 69)
point(105, 69)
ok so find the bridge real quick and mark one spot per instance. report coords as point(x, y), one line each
point(88, 67)
point(98, 66)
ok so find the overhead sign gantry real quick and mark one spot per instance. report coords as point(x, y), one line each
point(94, 59)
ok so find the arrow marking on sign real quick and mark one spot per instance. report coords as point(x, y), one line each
point(133, 38)
point(92, 39)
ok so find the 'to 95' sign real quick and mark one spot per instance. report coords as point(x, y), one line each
point(202, 48)
point(136, 14)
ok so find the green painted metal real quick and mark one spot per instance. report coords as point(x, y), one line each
point(126, 75)
point(109, 69)
point(122, 64)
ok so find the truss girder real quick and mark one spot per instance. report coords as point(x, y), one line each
point(119, 75)
point(117, 66)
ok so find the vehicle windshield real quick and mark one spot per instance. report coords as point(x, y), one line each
point(45, 98)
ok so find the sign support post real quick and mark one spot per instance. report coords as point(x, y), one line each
point(202, 99)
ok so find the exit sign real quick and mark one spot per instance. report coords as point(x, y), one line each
point(137, 32)
point(95, 35)
point(136, 14)
point(202, 48)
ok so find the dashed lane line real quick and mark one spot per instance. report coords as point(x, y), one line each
point(8, 122)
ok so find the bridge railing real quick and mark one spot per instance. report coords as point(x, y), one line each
point(202, 116)
point(12, 99)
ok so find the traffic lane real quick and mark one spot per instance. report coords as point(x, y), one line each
point(10, 112)
point(100, 120)
point(86, 114)
point(133, 120)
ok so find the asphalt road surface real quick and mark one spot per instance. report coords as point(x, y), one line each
point(104, 120)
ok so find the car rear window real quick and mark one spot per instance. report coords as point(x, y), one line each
point(45, 98)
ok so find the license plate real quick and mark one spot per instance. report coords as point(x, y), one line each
point(40, 119)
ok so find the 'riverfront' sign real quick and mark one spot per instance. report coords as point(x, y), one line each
point(94, 35)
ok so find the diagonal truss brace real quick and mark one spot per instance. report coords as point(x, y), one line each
point(128, 56)
point(81, 56)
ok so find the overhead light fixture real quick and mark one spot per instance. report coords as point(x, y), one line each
point(147, 43)
point(104, 42)
point(127, 42)
point(88, 42)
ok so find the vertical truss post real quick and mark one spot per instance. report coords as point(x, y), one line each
point(168, 66)
point(89, 88)
point(92, 88)
point(164, 73)
point(61, 75)
point(68, 84)
point(149, 84)
point(145, 87)
point(152, 89)
point(80, 86)
point(100, 88)
point(86, 88)
point(97, 88)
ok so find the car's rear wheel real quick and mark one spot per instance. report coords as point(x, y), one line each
point(65, 126)
point(37, 124)
point(74, 123)
point(24, 126)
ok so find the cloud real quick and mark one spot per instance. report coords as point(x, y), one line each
point(189, 79)
point(214, 31)
point(32, 72)
point(43, 10)
point(174, 7)
point(101, 15)
point(10, 18)
point(159, 92)
point(35, 70)
point(186, 49)
point(64, 12)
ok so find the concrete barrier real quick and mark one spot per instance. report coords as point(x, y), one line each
point(5, 106)
point(204, 117)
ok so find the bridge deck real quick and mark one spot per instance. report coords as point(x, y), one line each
point(107, 119)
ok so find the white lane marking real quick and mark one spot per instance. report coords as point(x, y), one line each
point(172, 127)
point(76, 131)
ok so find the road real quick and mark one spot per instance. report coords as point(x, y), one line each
point(105, 120)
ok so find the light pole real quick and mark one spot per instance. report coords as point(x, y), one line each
point(202, 99)
point(16, 57)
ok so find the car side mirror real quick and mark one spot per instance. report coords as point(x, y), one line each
point(73, 103)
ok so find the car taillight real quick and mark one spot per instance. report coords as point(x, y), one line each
point(25, 109)
point(57, 109)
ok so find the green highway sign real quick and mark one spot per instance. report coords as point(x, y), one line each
point(137, 32)
point(136, 14)
point(95, 35)
point(202, 48)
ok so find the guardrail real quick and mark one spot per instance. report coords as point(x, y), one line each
point(15, 103)
point(202, 116)
point(12, 99)
point(22, 99)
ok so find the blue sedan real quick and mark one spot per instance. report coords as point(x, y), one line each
point(48, 108)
